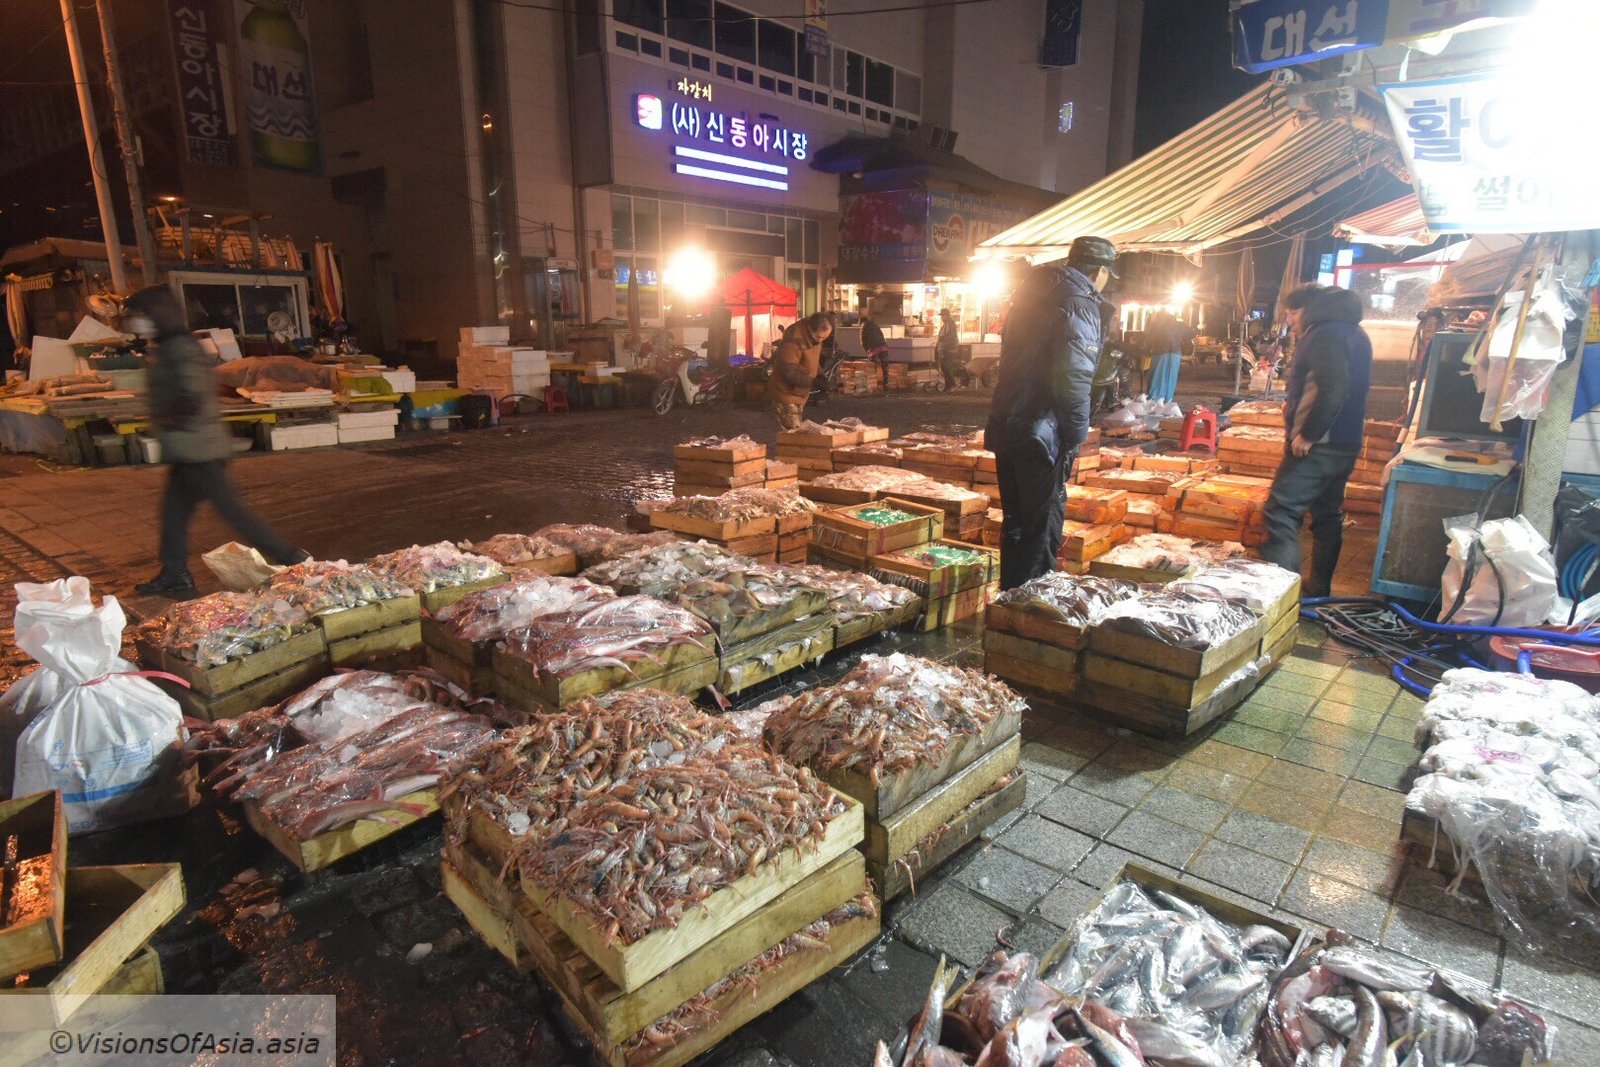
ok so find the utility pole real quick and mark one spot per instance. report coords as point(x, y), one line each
point(91, 137)
point(127, 142)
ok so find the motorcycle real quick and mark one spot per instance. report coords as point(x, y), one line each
point(1113, 377)
point(828, 377)
point(686, 376)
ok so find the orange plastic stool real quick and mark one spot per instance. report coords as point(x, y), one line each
point(555, 399)
point(1199, 430)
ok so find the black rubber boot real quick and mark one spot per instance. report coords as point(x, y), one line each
point(177, 587)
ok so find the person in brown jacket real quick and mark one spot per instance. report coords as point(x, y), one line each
point(795, 367)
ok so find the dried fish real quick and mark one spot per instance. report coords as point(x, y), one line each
point(321, 587)
point(429, 568)
point(1078, 601)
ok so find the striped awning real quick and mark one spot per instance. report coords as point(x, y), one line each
point(1395, 224)
point(1250, 165)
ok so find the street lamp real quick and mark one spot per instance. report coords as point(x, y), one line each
point(691, 272)
point(1182, 293)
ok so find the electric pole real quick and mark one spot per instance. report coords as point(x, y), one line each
point(97, 161)
point(129, 145)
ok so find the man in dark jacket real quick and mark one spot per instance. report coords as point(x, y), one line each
point(1040, 412)
point(1324, 422)
point(875, 346)
point(194, 443)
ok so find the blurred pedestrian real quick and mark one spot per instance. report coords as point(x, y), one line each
point(195, 444)
point(1165, 339)
point(947, 349)
point(875, 346)
point(795, 367)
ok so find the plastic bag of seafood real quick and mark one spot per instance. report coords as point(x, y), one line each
point(429, 568)
point(1249, 583)
point(1339, 1003)
point(1193, 622)
point(324, 586)
point(500, 609)
point(1079, 601)
point(106, 738)
point(221, 627)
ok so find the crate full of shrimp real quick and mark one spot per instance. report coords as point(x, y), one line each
point(656, 969)
point(930, 751)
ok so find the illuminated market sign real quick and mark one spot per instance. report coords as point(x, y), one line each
point(1279, 33)
point(725, 146)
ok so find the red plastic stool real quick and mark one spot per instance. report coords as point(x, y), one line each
point(1199, 430)
point(555, 399)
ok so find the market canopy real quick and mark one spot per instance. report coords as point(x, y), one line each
point(753, 293)
point(1397, 223)
point(1252, 164)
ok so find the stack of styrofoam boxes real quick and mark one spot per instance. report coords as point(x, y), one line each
point(486, 362)
point(303, 435)
point(358, 426)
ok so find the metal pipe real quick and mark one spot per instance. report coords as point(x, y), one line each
point(128, 143)
point(97, 161)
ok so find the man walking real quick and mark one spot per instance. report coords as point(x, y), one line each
point(1324, 421)
point(1040, 412)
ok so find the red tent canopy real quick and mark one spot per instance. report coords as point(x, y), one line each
point(753, 293)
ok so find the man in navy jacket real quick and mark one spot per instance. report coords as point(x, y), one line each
point(1040, 412)
point(1324, 422)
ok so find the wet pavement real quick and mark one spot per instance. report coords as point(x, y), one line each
point(1291, 804)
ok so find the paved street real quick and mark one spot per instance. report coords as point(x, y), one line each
point(1292, 804)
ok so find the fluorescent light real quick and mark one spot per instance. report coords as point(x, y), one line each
point(731, 161)
point(724, 176)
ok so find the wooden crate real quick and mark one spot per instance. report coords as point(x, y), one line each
point(714, 529)
point(631, 965)
point(1179, 691)
point(840, 532)
point(382, 615)
point(832, 494)
point(1169, 659)
point(828, 438)
point(1141, 575)
point(317, 852)
point(729, 475)
point(1035, 664)
point(933, 580)
point(1087, 504)
point(944, 841)
point(443, 598)
point(733, 455)
point(1083, 542)
point(1035, 625)
point(376, 644)
point(561, 564)
point(1145, 483)
point(882, 799)
point(894, 836)
point(775, 653)
point(844, 458)
point(976, 504)
point(236, 674)
point(944, 611)
point(1146, 714)
point(38, 823)
point(111, 913)
point(1201, 528)
point(772, 621)
point(680, 669)
point(517, 929)
point(759, 547)
point(469, 664)
point(859, 629)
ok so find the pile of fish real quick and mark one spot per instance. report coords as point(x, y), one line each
point(221, 627)
point(1190, 986)
point(1169, 552)
point(1194, 622)
point(1250, 583)
point(942, 442)
point(1077, 601)
point(621, 632)
point(829, 426)
point(724, 599)
point(737, 505)
point(1511, 773)
point(1338, 1005)
point(515, 550)
point(852, 594)
point(348, 748)
point(866, 479)
point(325, 586)
point(429, 568)
point(490, 614)
point(664, 570)
point(889, 714)
point(594, 544)
point(743, 442)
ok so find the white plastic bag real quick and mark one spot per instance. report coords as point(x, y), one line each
point(1538, 355)
point(1512, 574)
point(239, 568)
point(109, 741)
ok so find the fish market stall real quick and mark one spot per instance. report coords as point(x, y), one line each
point(930, 751)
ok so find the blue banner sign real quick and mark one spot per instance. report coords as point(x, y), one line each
point(1278, 33)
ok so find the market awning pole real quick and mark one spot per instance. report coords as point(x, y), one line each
point(97, 161)
point(128, 144)
point(1516, 337)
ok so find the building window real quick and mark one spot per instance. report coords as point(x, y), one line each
point(650, 48)
point(678, 56)
point(725, 70)
point(621, 221)
point(769, 84)
point(736, 34)
point(640, 14)
point(689, 21)
point(628, 41)
point(777, 47)
point(699, 62)
point(908, 93)
point(806, 96)
point(855, 75)
point(880, 83)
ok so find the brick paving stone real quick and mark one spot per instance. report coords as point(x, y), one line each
point(1129, 756)
point(1184, 808)
point(1376, 872)
point(1007, 879)
point(1444, 943)
point(1156, 839)
point(1081, 737)
point(952, 920)
point(1356, 696)
point(1067, 902)
point(1283, 722)
point(1279, 700)
point(1211, 782)
point(1381, 772)
point(1304, 685)
point(1243, 762)
point(1333, 735)
point(1112, 783)
point(1301, 780)
point(1330, 902)
point(1392, 750)
point(1046, 842)
point(1556, 984)
point(1101, 865)
point(1050, 762)
point(1364, 720)
point(1429, 890)
point(1305, 812)
point(1576, 1042)
point(1298, 664)
point(1241, 735)
point(1373, 800)
point(1399, 727)
point(1361, 676)
point(1358, 828)
point(1266, 836)
point(1036, 935)
point(1320, 757)
point(898, 987)
point(1082, 811)
point(1250, 873)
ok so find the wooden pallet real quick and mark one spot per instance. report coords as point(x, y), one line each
point(840, 532)
point(112, 912)
point(688, 669)
point(631, 965)
point(891, 838)
point(882, 799)
point(382, 615)
point(946, 840)
point(320, 851)
point(515, 928)
point(775, 653)
point(714, 529)
point(38, 825)
point(443, 598)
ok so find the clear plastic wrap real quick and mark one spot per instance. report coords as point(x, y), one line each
point(1194, 622)
point(1511, 574)
point(737, 504)
point(1539, 353)
point(1512, 779)
point(743, 441)
point(321, 587)
point(221, 627)
point(1152, 956)
point(583, 541)
point(851, 594)
point(428, 568)
point(888, 714)
point(490, 614)
point(666, 568)
point(1169, 552)
point(614, 633)
point(1249, 583)
point(1078, 601)
point(741, 592)
point(513, 549)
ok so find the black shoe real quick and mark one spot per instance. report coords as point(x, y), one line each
point(300, 556)
point(178, 588)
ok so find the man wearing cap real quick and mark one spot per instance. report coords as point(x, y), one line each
point(1040, 412)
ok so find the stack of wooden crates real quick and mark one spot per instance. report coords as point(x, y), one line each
point(1363, 495)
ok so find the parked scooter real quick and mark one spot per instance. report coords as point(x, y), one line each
point(688, 377)
point(828, 376)
point(1113, 377)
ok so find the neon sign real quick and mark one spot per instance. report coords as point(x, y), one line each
point(723, 134)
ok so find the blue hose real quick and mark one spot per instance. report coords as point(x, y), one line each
point(1398, 673)
point(1524, 662)
point(1586, 639)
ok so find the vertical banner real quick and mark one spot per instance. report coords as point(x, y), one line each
point(1489, 154)
point(207, 128)
point(275, 71)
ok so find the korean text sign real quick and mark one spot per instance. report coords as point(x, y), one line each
point(207, 129)
point(1277, 33)
point(1489, 156)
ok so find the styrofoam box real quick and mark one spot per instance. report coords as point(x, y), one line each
point(486, 335)
point(149, 449)
point(366, 420)
point(401, 381)
point(305, 435)
point(356, 435)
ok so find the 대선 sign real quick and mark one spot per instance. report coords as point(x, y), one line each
point(1278, 33)
point(1488, 155)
